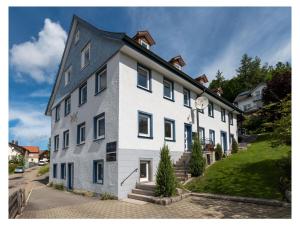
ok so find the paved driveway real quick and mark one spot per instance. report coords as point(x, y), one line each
point(47, 202)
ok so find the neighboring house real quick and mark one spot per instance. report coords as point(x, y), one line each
point(115, 103)
point(33, 153)
point(44, 155)
point(251, 100)
point(14, 150)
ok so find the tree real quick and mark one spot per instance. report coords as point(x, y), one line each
point(218, 81)
point(165, 177)
point(218, 151)
point(197, 161)
point(235, 147)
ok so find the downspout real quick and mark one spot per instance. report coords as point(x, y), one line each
point(197, 111)
point(229, 124)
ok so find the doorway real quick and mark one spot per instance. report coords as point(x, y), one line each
point(70, 176)
point(144, 171)
point(187, 137)
point(224, 141)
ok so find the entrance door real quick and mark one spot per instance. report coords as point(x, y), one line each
point(224, 141)
point(70, 175)
point(187, 137)
point(144, 171)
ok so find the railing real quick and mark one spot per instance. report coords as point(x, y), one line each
point(135, 170)
point(206, 141)
point(16, 203)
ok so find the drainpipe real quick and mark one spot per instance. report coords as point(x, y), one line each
point(197, 111)
point(229, 124)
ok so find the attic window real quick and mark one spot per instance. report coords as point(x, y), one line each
point(145, 44)
point(77, 36)
point(177, 66)
point(68, 76)
point(85, 56)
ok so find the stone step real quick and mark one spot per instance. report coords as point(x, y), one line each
point(143, 192)
point(181, 173)
point(149, 187)
point(144, 198)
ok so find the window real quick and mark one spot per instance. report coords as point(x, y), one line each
point(223, 117)
point(211, 109)
point(247, 107)
point(169, 130)
point(144, 78)
point(230, 115)
point(168, 90)
point(77, 35)
point(67, 105)
point(177, 66)
point(54, 170)
point(212, 136)
point(68, 76)
point(83, 94)
point(202, 135)
point(98, 171)
point(99, 126)
point(56, 142)
point(62, 171)
point(100, 81)
point(66, 139)
point(145, 44)
point(144, 125)
point(57, 113)
point(85, 56)
point(81, 133)
point(186, 98)
point(111, 151)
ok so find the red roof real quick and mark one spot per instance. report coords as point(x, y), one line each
point(32, 149)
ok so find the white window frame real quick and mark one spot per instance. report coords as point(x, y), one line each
point(99, 181)
point(168, 121)
point(84, 86)
point(80, 128)
point(68, 105)
point(65, 143)
point(83, 62)
point(144, 44)
point(189, 97)
point(57, 113)
point(148, 78)
point(148, 117)
point(98, 119)
point(177, 66)
point(171, 89)
point(56, 142)
point(223, 115)
point(98, 80)
point(68, 75)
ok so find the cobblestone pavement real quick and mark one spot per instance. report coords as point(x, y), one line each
point(47, 202)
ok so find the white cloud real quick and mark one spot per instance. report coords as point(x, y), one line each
point(39, 58)
point(31, 125)
point(40, 93)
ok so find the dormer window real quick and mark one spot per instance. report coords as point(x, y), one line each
point(144, 39)
point(68, 76)
point(77, 34)
point(177, 66)
point(145, 44)
point(177, 62)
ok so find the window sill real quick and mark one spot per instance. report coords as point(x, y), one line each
point(139, 136)
point(98, 183)
point(211, 116)
point(80, 144)
point(99, 92)
point(66, 148)
point(170, 99)
point(143, 88)
point(81, 104)
point(170, 140)
point(187, 106)
point(224, 121)
point(57, 121)
point(55, 150)
point(99, 139)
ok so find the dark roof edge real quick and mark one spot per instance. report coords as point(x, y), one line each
point(170, 67)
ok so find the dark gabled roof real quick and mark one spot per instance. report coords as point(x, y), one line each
point(246, 94)
point(146, 52)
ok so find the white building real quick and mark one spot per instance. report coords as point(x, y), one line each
point(251, 100)
point(115, 103)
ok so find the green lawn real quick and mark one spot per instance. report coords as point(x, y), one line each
point(251, 173)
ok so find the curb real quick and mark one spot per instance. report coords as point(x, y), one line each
point(259, 201)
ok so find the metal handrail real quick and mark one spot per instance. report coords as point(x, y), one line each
point(135, 170)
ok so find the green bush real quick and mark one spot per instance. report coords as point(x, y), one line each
point(219, 152)
point(107, 196)
point(165, 176)
point(43, 170)
point(197, 162)
point(12, 167)
point(59, 186)
point(235, 147)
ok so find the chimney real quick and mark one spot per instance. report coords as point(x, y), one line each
point(218, 91)
point(144, 39)
point(202, 79)
point(178, 62)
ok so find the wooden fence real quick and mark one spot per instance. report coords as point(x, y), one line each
point(16, 203)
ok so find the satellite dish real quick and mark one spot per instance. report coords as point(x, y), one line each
point(201, 102)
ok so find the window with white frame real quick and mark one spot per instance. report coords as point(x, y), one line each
point(202, 135)
point(144, 44)
point(63, 171)
point(66, 139)
point(67, 105)
point(85, 55)
point(81, 133)
point(99, 126)
point(212, 136)
point(168, 89)
point(211, 109)
point(144, 125)
point(57, 113)
point(186, 97)
point(144, 78)
point(68, 76)
point(56, 142)
point(169, 130)
point(101, 80)
point(223, 116)
point(83, 94)
point(98, 171)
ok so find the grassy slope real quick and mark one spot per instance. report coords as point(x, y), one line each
point(252, 173)
point(44, 169)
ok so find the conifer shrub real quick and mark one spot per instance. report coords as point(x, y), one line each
point(165, 176)
point(197, 161)
point(235, 147)
point(219, 152)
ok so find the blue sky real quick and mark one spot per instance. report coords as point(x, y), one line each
point(207, 38)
